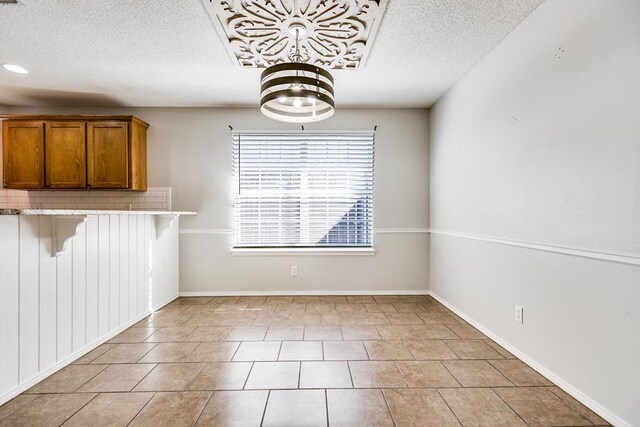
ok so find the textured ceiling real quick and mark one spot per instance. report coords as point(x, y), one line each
point(168, 53)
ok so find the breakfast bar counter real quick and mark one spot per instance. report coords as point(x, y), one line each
point(72, 279)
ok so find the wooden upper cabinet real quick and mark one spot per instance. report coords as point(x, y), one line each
point(138, 156)
point(108, 155)
point(65, 155)
point(67, 151)
point(23, 154)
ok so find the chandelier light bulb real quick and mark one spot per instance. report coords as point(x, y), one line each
point(297, 102)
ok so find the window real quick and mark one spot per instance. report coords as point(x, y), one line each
point(303, 190)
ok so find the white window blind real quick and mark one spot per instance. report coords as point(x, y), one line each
point(303, 189)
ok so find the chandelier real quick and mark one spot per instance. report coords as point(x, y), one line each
point(296, 92)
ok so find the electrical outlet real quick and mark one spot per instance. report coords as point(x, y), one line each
point(294, 270)
point(519, 317)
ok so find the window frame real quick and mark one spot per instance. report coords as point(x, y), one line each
point(352, 250)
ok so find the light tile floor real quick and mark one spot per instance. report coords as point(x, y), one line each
point(294, 361)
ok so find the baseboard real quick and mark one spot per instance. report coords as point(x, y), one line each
point(576, 394)
point(78, 354)
point(299, 293)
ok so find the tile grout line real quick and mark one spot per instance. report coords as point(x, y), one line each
point(142, 408)
point(450, 373)
point(350, 374)
point(506, 403)
point(326, 405)
point(448, 406)
point(235, 351)
point(195, 376)
point(143, 378)
point(106, 366)
point(406, 383)
point(384, 396)
point(80, 408)
point(246, 380)
point(203, 408)
point(266, 404)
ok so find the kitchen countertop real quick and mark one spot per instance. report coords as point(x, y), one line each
point(60, 212)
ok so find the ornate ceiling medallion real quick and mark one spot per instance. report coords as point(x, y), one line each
point(338, 34)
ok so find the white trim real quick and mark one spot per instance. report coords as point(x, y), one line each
point(303, 251)
point(205, 231)
point(298, 293)
point(619, 257)
point(400, 231)
point(15, 391)
point(375, 231)
point(578, 395)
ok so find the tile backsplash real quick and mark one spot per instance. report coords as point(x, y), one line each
point(154, 199)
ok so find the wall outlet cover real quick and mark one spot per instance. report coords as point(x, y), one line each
point(519, 314)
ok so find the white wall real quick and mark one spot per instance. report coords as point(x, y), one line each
point(190, 151)
point(55, 309)
point(539, 147)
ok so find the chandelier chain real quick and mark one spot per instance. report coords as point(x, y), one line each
point(297, 56)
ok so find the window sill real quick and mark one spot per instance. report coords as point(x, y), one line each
point(303, 252)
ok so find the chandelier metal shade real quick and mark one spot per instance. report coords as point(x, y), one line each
point(297, 92)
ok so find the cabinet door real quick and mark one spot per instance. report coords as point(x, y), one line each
point(108, 156)
point(65, 155)
point(23, 154)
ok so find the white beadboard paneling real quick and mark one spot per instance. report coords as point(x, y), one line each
point(103, 274)
point(114, 271)
point(9, 301)
point(79, 280)
point(140, 281)
point(29, 297)
point(133, 266)
point(48, 297)
point(151, 259)
point(55, 309)
point(92, 305)
point(124, 268)
point(64, 313)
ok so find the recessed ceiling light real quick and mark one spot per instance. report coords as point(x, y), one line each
point(15, 68)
